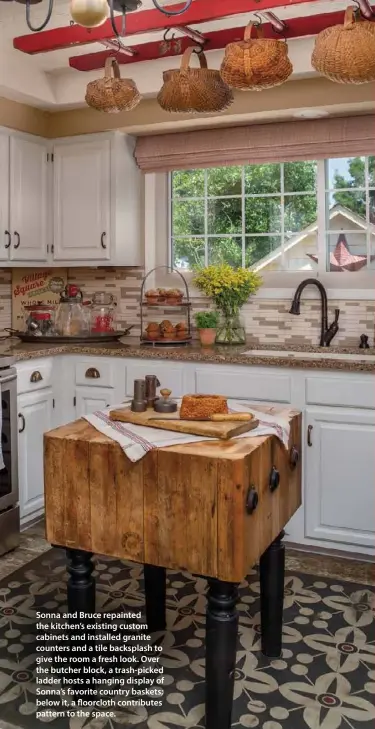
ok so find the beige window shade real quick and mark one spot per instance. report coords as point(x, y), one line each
point(299, 140)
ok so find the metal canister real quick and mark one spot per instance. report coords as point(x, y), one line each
point(139, 402)
point(152, 383)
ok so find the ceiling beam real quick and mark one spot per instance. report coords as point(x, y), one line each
point(215, 40)
point(144, 21)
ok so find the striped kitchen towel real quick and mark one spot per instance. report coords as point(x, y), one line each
point(137, 440)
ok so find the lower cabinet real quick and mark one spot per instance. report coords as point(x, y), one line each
point(34, 419)
point(89, 399)
point(340, 476)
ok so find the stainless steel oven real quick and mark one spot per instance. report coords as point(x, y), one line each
point(9, 509)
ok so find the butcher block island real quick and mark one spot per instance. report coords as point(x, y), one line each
point(213, 508)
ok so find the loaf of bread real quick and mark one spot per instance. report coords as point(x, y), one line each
point(201, 407)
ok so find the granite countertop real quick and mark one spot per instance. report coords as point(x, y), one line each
point(131, 348)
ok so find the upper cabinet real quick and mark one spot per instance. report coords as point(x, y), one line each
point(82, 201)
point(28, 200)
point(96, 201)
point(73, 202)
point(23, 198)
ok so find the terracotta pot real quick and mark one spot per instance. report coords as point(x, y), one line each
point(207, 336)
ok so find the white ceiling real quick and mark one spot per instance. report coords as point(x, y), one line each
point(47, 81)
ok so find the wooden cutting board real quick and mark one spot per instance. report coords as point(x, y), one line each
point(151, 419)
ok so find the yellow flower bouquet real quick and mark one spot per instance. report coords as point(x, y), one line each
point(229, 288)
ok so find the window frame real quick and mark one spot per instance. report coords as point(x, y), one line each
point(282, 284)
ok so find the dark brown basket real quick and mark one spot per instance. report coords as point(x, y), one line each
point(346, 53)
point(194, 89)
point(256, 63)
point(112, 94)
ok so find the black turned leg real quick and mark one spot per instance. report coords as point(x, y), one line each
point(272, 572)
point(221, 641)
point(81, 599)
point(155, 586)
point(81, 583)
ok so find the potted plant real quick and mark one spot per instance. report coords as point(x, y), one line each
point(206, 323)
point(229, 288)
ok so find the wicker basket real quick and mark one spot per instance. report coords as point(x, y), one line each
point(256, 63)
point(112, 94)
point(194, 89)
point(346, 53)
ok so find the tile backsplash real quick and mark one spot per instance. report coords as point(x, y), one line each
point(266, 321)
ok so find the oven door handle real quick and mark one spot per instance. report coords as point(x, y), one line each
point(7, 378)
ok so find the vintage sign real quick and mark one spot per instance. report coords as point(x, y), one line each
point(31, 285)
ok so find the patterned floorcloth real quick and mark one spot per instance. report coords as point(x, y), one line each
point(325, 678)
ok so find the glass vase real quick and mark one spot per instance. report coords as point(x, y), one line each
point(230, 330)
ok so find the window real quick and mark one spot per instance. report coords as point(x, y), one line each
point(293, 216)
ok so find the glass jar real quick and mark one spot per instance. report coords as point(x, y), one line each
point(71, 318)
point(230, 330)
point(39, 318)
point(102, 313)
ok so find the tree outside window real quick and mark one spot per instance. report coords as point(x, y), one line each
point(266, 216)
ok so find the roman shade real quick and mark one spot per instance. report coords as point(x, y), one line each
point(257, 144)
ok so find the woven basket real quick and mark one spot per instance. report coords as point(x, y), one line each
point(346, 53)
point(194, 89)
point(112, 94)
point(256, 63)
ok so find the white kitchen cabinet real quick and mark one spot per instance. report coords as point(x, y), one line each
point(82, 199)
point(34, 419)
point(23, 198)
point(89, 399)
point(96, 201)
point(340, 476)
point(28, 199)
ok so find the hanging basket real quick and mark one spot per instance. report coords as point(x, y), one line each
point(346, 53)
point(256, 63)
point(194, 89)
point(112, 94)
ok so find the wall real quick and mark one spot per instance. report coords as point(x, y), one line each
point(266, 321)
point(23, 118)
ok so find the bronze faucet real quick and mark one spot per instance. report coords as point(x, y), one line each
point(326, 332)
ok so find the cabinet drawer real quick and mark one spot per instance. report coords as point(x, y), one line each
point(243, 383)
point(346, 392)
point(34, 375)
point(95, 373)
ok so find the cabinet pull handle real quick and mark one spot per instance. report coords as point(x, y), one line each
point(17, 245)
point(7, 245)
point(102, 243)
point(36, 376)
point(93, 373)
point(309, 431)
point(23, 423)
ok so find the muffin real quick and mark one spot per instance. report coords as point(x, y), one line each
point(173, 296)
point(166, 324)
point(181, 330)
point(162, 293)
point(153, 330)
point(152, 296)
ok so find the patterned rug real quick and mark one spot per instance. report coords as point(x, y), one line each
point(324, 680)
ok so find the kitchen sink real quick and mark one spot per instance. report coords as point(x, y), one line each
point(310, 355)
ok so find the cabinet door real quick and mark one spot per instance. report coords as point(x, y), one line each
point(340, 476)
point(35, 418)
point(28, 200)
point(4, 197)
point(82, 201)
point(90, 399)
